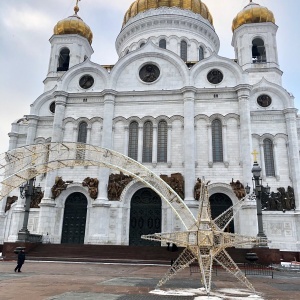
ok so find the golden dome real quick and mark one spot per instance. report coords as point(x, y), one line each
point(252, 13)
point(74, 25)
point(195, 6)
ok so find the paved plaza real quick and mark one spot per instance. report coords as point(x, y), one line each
point(95, 281)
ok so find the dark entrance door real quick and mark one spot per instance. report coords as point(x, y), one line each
point(218, 204)
point(145, 217)
point(74, 219)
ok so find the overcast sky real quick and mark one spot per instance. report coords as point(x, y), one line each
point(27, 25)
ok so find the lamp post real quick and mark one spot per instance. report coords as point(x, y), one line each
point(257, 185)
point(27, 191)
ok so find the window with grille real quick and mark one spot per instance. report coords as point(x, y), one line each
point(133, 140)
point(201, 53)
point(147, 141)
point(183, 50)
point(269, 157)
point(217, 141)
point(82, 132)
point(82, 136)
point(162, 141)
point(162, 44)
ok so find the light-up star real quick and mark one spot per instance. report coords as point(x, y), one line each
point(206, 242)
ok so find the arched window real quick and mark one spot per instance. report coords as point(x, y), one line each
point(162, 141)
point(133, 140)
point(258, 51)
point(82, 132)
point(147, 141)
point(217, 141)
point(82, 136)
point(183, 50)
point(269, 157)
point(64, 60)
point(162, 44)
point(201, 53)
point(142, 44)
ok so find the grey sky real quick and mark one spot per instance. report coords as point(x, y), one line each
point(27, 25)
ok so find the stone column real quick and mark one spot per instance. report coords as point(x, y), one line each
point(140, 144)
point(276, 166)
point(13, 139)
point(108, 115)
point(210, 154)
point(262, 160)
point(154, 146)
point(225, 152)
point(88, 136)
point(47, 206)
point(57, 136)
point(246, 135)
point(291, 125)
point(126, 140)
point(32, 127)
point(189, 147)
point(169, 150)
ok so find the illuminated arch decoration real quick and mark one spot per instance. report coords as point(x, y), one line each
point(204, 239)
point(21, 164)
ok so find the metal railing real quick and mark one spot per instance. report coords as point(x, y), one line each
point(258, 270)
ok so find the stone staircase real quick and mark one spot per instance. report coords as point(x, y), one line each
point(101, 253)
point(125, 254)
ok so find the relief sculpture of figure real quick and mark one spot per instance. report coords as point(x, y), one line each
point(197, 189)
point(9, 202)
point(176, 182)
point(58, 187)
point(92, 184)
point(36, 200)
point(291, 196)
point(238, 189)
point(116, 185)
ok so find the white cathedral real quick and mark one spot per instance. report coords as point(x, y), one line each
point(173, 104)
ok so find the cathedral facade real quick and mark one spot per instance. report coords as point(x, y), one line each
point(173, 104)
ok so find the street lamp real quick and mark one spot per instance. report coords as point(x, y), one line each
point(27, 192)
point(258, 189)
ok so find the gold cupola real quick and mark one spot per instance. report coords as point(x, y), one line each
point(74, 25)
point(252, 13)
point(196, 6)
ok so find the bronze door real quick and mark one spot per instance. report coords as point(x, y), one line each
point(218, 204)
point(74, 219)
point(145, 217)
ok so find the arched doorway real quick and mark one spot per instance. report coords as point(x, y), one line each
point(145, 217)
point(218, 204)
point(73, 230)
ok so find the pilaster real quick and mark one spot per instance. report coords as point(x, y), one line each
point(291, 125)
point(189, 147)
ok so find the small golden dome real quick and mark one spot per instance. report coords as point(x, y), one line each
point(196, 6)
point(252, 13)
point(74, 25)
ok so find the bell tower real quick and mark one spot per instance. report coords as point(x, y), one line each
point(70, 45)
point(254, 42)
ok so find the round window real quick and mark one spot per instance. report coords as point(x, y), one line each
point(86, 81)
point(215, 76)
point(149, 73)
point(264, 100)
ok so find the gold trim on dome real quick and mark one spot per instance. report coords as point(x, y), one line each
point(196, 6)
point(253, 13)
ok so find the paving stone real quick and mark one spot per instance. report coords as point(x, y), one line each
point(84, 296)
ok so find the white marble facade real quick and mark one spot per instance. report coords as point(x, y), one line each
point(183, 97)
